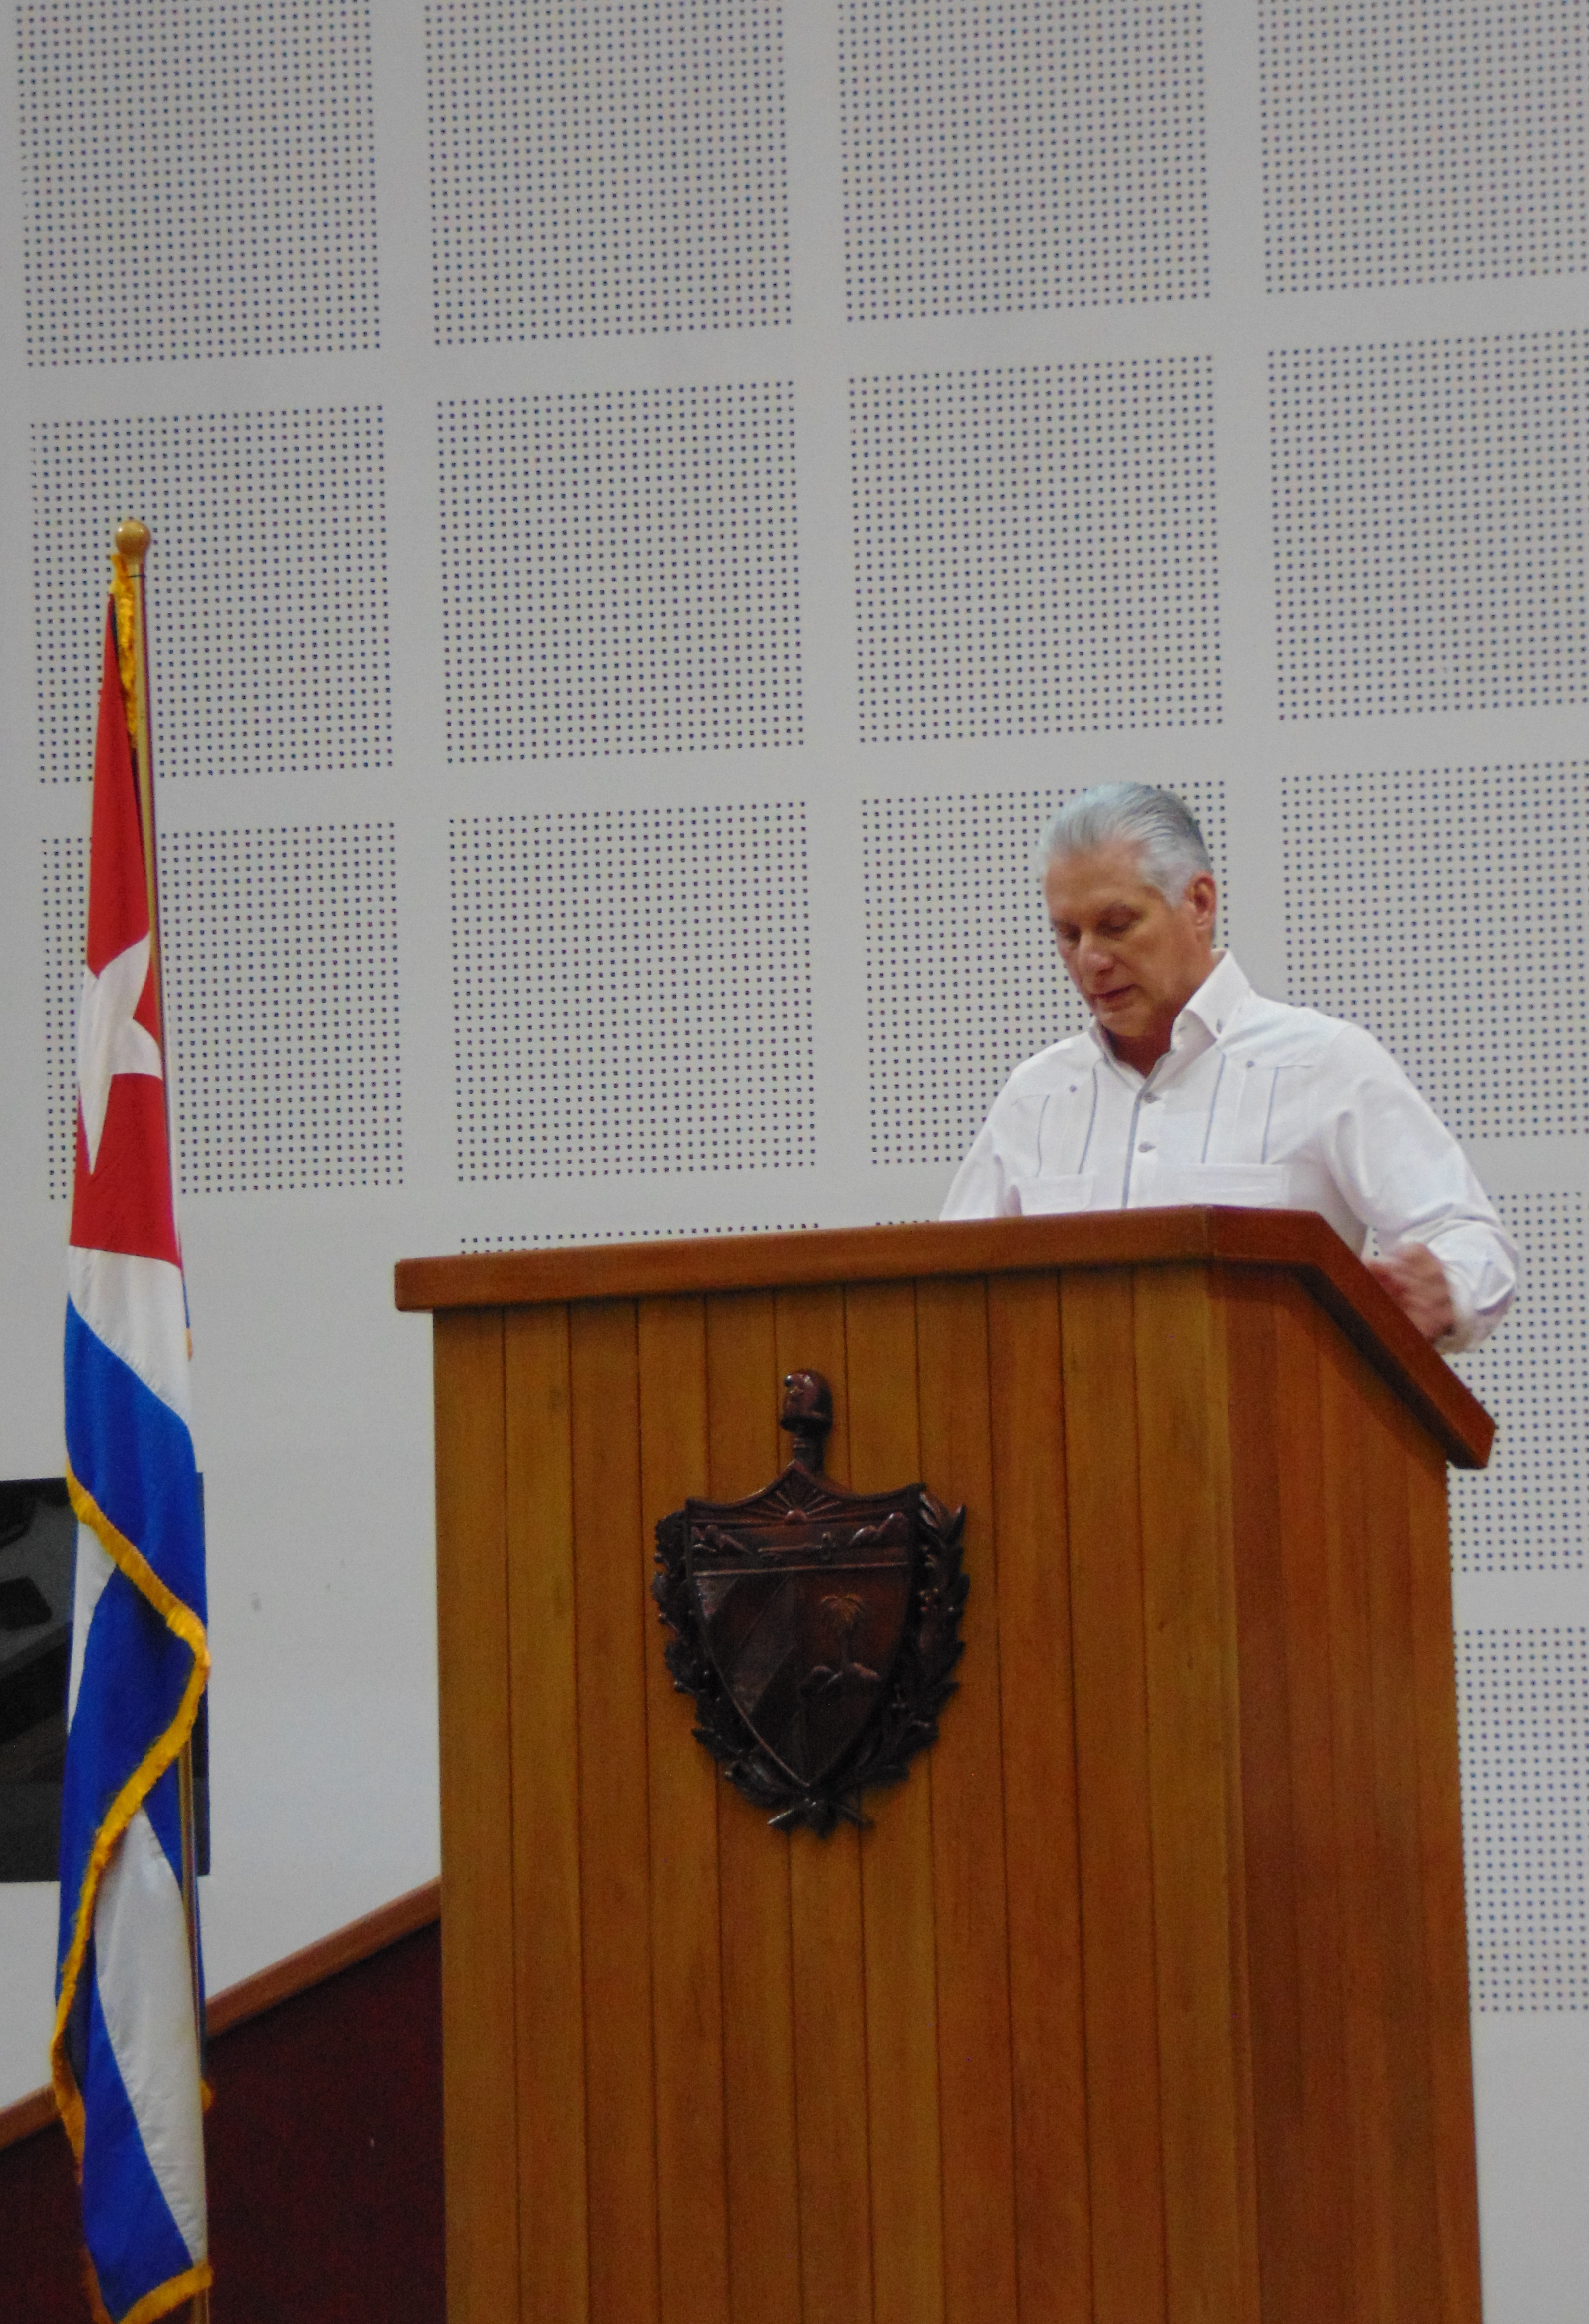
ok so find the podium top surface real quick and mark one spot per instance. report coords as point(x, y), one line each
point(1297, 1240)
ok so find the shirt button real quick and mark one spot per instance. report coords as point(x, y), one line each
point(1146, 1146)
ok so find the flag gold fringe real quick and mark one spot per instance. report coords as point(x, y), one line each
point(124, 590)
point(162, 1752)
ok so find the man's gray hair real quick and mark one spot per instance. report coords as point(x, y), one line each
point(1159, 826)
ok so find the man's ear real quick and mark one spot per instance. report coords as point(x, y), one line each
point(1203, 895)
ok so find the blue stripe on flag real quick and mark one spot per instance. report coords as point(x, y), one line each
point(127, 2222)
point(134, 1453)
point(115, 1724)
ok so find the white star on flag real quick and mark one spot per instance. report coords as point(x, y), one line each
point(110, 1040)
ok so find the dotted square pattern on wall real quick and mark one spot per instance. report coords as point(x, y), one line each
point(1006, 156)
point(282, 1006)
point(1035, 550)
point(1526, 1512)
point(1444, 144)
point(963, 977)
point(267, 581)
point(604, 166)
point(618, 572)
point(1443, 909)
point(565, 1235)
point(282, 951)
point(66, 925)
point(1429, 539)
point(198, 179)
point(1524, 1701)
point(631, 992)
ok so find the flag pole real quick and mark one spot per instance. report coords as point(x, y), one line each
point(132, 547)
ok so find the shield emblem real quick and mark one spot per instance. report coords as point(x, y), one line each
point(802, 1611)
point(817, 1629)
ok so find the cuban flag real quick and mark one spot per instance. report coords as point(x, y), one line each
point(124, 2056)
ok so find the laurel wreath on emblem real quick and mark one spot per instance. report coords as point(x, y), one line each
point(915, 1688)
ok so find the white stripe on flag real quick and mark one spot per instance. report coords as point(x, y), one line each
point(137, 1307)
point(95, 1567)
point(145, 1990)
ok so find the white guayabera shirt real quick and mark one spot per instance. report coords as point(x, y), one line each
point(1257, 1104)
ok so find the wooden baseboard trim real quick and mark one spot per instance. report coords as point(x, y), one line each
point(268, 1988)
point(327, 1957)
point(27, 2116)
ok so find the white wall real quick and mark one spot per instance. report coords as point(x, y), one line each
point(791, 520)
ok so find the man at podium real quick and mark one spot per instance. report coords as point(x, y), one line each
point(1190, 1087)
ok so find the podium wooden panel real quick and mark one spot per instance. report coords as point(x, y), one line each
point(1145, 1997)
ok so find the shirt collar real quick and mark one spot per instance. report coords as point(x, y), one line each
point(1206, 1016)
point(1216, 999)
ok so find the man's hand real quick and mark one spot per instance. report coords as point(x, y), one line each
point(1416, 1281)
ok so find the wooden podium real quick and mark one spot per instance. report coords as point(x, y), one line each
point(1145, 1997)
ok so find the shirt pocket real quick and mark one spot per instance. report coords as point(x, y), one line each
point(1044, 1197)
point(1241, 1185)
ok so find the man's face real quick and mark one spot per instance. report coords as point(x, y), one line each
point(1135, 958)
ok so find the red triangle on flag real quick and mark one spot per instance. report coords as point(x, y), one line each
point(123, 1201)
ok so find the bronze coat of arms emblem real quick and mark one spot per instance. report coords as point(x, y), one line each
point(817, 1629)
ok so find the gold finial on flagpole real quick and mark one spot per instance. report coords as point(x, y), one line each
point(132, 542)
